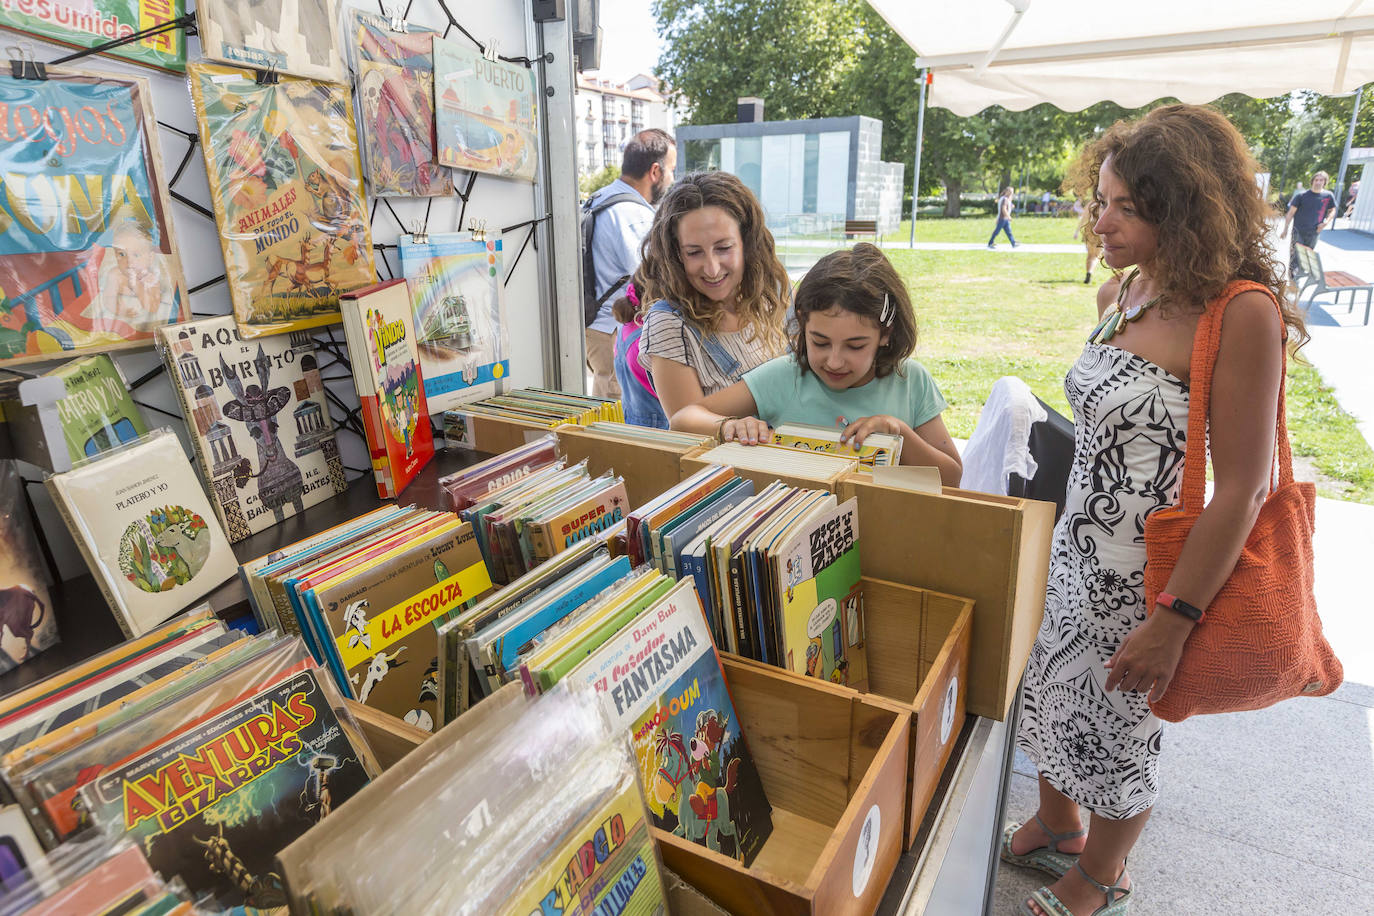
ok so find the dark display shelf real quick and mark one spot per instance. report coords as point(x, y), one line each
point(87, 626)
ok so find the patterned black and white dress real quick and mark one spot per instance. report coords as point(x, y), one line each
point(1130, 421)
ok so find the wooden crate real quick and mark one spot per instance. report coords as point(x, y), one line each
point(691, 463)
point(917, 642)
point(992, 549)
point(648, 468)
point(494, 435)
point(389, 737)
point(833, 764)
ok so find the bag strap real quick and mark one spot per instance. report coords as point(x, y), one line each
point(1206, 343)
point(715, 351)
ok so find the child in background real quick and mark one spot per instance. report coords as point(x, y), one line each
point(721, 291)
point(637, 394)
point(851, 367)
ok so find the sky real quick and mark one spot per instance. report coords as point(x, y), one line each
point(629, 39)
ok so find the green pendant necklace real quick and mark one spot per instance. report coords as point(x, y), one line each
point(1115, 319)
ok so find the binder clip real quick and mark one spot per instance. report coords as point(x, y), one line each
point(396, 19)
point(478, 228)
point(23, 66)
point(268, 77)
point(489, 52)
point(418, 235)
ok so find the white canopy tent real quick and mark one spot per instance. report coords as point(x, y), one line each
point(1075, 53)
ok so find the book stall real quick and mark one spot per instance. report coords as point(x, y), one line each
point(321, 591)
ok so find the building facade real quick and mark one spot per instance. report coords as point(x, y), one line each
point(809, 175)
point(608, 114)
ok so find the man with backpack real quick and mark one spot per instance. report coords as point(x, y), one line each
point(614, 222)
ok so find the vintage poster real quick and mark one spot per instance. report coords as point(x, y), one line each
point(300, 37)
point(486, 112)
point(459, 304)
point(87, 260)
point(284, 175)
point(258, 419)
point(395, 99)
point(87, 23)
point(214, 804)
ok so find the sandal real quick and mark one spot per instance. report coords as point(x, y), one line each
point(1047, 859)
point(1118, 898)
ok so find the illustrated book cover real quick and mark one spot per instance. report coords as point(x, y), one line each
point(258, 419)
point(287, 188)
point(817, 571)
point(389, 381)
point(98, 412)
point(660, 679)
point(486, 112)
point(27, 618)
point(146, 530)
point(87, 254)
point(300, 37)
point(395, 100)
point(88, 23)
point(215, 803)
point(458, 299)
point(381, 619)
point(878, 450)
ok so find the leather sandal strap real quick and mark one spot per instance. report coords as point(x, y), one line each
point(1113, 892)
point(1057, 838)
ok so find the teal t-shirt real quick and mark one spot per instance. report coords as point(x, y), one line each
point(786, 394)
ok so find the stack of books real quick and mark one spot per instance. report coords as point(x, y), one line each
point(463, 488)
point(780, 460)
point(530, 406)
point(878, 450)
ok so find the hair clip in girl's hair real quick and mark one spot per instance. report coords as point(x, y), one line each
point(888, 312)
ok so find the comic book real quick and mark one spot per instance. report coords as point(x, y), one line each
point(87, 254)
point(878, 450)
point(389, 382)
point(458, 301)
point(97, 22)
point(394, 73)
point(213, 804)
point(821, 597)
point(29, 621)
point(258, 419)
point(300, 37)
point(463, 488)
point(145, 529)
point(486, 112)
point(282, 161)
point(380, 618)
point(660, 679)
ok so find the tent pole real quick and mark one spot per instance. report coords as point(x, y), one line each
point(920, 139)
point(1345, 153)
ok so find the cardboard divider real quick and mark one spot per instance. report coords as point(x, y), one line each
point(833, 764)
point(691, 463)
point(992, 549)
point(648, 468)
point(917, 643)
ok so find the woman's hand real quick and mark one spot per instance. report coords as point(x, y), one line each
point(1148, 656)
point(745, 430)
point(860, 429)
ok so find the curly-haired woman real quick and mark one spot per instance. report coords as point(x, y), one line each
point(1182, 227)
point(721, 291)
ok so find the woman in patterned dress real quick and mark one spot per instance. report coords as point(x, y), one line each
point(1181, 220)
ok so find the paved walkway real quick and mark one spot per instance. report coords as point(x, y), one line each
point(1273, 811)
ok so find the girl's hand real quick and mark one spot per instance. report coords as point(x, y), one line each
point(856, 432)
point(745, 430)
point(1148, 656)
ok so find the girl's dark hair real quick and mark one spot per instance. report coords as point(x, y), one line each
point(626, 311)
point(859, 280)
point(1191, 176)
point(763, 286)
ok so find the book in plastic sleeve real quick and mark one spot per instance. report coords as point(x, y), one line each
point(299, 36)
point(486, 112)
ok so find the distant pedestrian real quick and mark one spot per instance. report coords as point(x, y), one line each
point(1309, 212)
point(1003, 219)
point(1091, 242)
point(1350, 203)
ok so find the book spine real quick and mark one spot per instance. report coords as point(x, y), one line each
point(748, 646)
point(92, 559)
point(539, 540)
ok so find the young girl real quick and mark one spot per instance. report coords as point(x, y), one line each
point(851, 368)
point(721, 291)
point(637, 393)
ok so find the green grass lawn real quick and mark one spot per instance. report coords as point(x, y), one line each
point(1047, 230)
point(985, 315)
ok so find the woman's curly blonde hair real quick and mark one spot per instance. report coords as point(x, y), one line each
point(1191, 175)
point(763, 289)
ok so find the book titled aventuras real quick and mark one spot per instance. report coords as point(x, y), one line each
point(258, 419)
point(661, 680)
point(390, 383)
